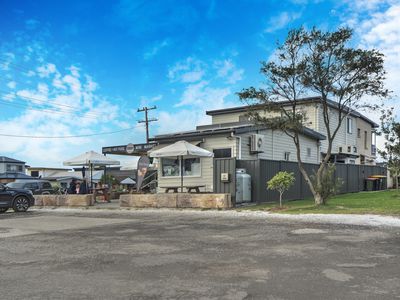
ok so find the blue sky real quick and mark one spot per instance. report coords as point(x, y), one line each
point(83, 67)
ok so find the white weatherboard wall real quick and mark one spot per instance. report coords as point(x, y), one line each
point(276, 143)
point(362, 150)
point(206, 176)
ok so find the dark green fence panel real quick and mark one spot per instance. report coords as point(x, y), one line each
point(353, 177)
point(225, 165)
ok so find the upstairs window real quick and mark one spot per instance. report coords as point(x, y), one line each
point(359, 133)
point(349, 125)
point(365, 139)
point(308, 152)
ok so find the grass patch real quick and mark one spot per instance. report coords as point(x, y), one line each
point(379, 202)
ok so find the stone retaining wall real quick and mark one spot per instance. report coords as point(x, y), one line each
point(176, 200)
point(64, 200)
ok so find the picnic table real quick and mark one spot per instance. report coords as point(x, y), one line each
point(190, 189)
point(101, 192)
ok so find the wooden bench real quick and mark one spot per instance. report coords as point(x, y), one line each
point(170, 188)
point(189, 189)
point(196, 188)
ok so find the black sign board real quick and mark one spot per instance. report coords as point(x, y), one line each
point(130, 149)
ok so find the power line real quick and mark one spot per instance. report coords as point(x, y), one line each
point(51, 103)
point(147, 120)
point(20, 105)
point(65, 137)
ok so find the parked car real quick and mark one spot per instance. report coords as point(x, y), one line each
point(37, 187)
point(18, 199)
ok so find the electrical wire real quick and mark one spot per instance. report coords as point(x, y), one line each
point(67, 136)
point(49, 102)
point(20, 105)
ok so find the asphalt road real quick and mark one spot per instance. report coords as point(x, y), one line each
point(184, 255)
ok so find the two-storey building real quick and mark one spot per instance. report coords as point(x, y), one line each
point(354, 143)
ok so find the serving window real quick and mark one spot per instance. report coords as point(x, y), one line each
point(172, 167)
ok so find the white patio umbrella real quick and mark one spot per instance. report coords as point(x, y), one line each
point(90, 159)
point(181, 149)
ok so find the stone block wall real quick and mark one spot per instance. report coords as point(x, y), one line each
point(177, 200)
point(64, 200)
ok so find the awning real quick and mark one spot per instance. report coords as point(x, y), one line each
point(196, 143)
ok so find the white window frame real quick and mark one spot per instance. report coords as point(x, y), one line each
point(180, 168)
point(223, 148)
point(349, 125)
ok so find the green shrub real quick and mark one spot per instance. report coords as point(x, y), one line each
point(281, 182)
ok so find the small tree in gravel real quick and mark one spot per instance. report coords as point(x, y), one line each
point(281, 182)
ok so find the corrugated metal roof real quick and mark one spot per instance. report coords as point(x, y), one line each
point(239, 127)
point(5, 159)
point(331, 103)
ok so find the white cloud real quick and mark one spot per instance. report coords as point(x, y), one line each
point(157, 47)
point(79, 110)
point(46, 70)
point(11, 85)
point(145, 101)
point(227, 70)
point(188, 71)
point(206, 86)
point(281, 21)
point(376, 25)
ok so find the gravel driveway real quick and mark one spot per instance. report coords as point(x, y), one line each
point(145, 254)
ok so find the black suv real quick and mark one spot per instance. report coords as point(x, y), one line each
point(18, 199)
point(37, 187)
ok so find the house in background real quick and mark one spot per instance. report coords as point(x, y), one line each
point(40, 172)
point(12, 169)
point(8, 164)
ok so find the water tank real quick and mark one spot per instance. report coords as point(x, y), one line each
point(243, 186)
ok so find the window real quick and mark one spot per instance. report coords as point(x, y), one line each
point(349, 125)
point(46, 185)
point(32, 186)
point(172, 167)
point(359, 133)
point(365, 139)
point(35, 173)
point(14, 168)
point(287, 155)
point(222, 153)
point(308, 152)
point(191, 167)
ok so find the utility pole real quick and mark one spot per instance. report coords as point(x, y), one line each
point(147, 120)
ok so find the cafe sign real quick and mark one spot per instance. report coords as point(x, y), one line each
point(130, 149)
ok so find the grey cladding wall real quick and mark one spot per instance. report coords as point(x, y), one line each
point(261, 171)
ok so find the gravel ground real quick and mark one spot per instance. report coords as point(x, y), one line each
point(345, 219)
point(188, 254)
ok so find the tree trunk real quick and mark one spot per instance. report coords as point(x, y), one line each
point(280, 199)
point(318, 199)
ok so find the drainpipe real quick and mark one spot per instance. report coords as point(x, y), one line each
point(239, 140)
point(272, 143)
